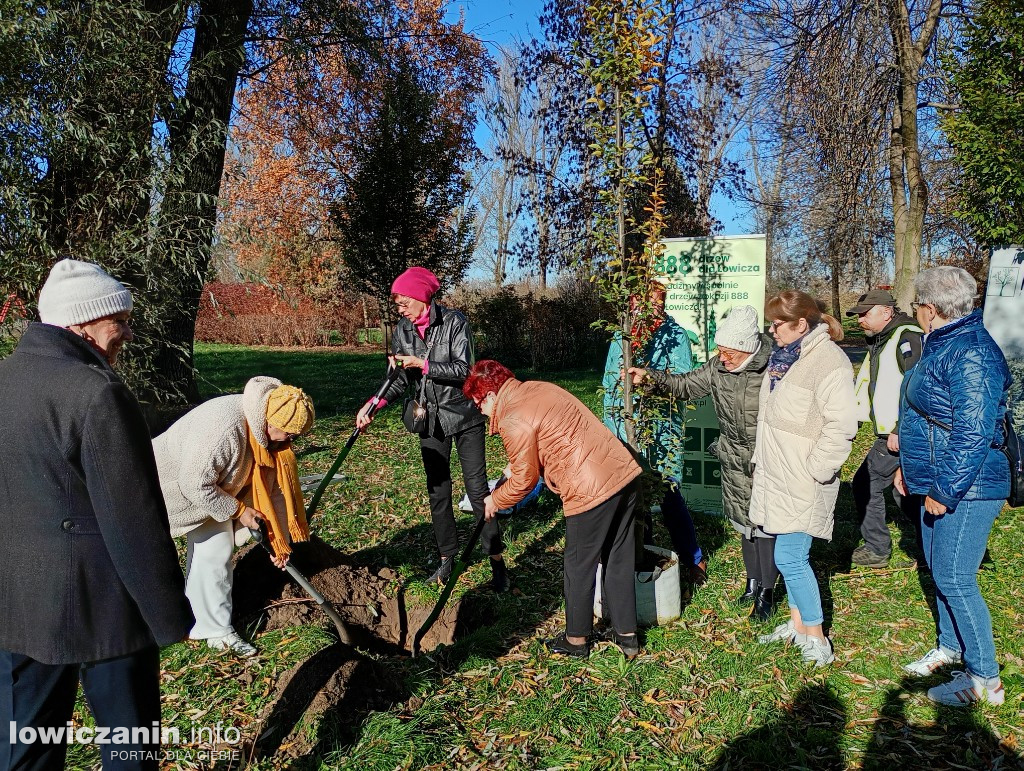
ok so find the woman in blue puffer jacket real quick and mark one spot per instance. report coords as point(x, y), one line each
point(951, 431)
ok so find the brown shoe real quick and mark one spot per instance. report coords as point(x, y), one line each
point(699, 573)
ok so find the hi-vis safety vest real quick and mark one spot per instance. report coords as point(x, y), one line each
point(884, 406)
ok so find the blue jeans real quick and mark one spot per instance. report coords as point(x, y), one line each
point(793, 559)
point(954, 545)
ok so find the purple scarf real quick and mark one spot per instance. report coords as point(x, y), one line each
point(781, 360)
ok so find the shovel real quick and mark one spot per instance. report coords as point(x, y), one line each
point(457, 570)
point(392, 376)
point(302, 581)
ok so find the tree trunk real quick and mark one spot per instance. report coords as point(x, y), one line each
point(543, 252)
point(907, 184)
point(836, 267)
point(624, 320)
point(386, 327)
point(501, 230)
point(198, 135)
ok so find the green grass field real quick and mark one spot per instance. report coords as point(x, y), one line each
point(704, 694)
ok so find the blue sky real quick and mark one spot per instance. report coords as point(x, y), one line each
point(497, 22)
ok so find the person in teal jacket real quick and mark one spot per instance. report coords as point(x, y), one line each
point(669, 348)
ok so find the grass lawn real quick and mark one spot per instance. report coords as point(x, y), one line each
point(704, 694)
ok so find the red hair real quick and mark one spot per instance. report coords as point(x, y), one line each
point(486, 376)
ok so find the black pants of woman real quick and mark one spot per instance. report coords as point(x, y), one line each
point(602, 534)
point(436, 449)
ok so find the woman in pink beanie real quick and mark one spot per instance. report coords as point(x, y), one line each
point(434, 347)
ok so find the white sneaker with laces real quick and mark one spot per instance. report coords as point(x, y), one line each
point(232, 642)
point(934, 659)
point(966, 689)
point(815, 649)
point(783, 632)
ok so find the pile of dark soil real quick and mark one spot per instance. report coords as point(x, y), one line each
point(372, 602)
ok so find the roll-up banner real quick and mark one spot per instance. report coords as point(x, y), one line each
point(1004, 317)
point(704, 278)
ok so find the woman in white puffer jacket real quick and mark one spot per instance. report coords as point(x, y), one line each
point(805, 430)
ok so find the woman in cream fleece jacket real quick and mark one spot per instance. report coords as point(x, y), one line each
point(206, 462)
point(805, 429)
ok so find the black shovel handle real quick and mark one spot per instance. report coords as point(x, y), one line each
point(457, 570)
point(392, 376)
point(302, 581)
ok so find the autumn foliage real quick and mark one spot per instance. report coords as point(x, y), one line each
point(257, 314)
point(302, 123)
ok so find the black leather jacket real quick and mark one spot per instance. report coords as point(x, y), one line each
point(451, 355)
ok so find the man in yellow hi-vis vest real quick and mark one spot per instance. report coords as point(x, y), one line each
point(895, 346)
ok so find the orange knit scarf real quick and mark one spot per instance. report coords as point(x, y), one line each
point(279, 464)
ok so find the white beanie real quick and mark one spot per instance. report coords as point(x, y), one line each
point(739, 330)
point(78, 292)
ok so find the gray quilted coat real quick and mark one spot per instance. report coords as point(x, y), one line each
point(735, 396)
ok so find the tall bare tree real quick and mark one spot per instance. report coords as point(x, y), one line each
point(912, 39)
point(500, 187)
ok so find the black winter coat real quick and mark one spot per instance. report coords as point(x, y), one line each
point(735, 395)
point(451, 355)
point(88, 570)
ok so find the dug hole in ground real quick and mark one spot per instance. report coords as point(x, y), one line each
point(382, 619)
point(379, 615)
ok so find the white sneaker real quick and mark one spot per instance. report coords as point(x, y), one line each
point(783, 632)
point(815, 649)
point(233, 642)
point(966, 689)
point(934, 659)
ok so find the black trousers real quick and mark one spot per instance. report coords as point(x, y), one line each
point(602, 534)
point(122, 693)
point(869, 485)
point(436, 449)
point(759, 560)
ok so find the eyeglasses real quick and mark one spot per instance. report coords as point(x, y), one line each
point(775, 325)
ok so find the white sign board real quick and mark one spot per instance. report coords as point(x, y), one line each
point(1004, 316)
point(1004, 300)
point(704, 278)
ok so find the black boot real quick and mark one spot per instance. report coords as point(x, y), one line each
point(561, 645)
point(764, 604)
point(748, 596)
point(443, 572)
point(500, 582)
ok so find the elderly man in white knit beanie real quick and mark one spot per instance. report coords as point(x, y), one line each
point(82, 298)
point(89, 575)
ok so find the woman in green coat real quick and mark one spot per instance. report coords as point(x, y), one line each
point(733, 378)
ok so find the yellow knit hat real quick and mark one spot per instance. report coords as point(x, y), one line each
point(290, 409)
